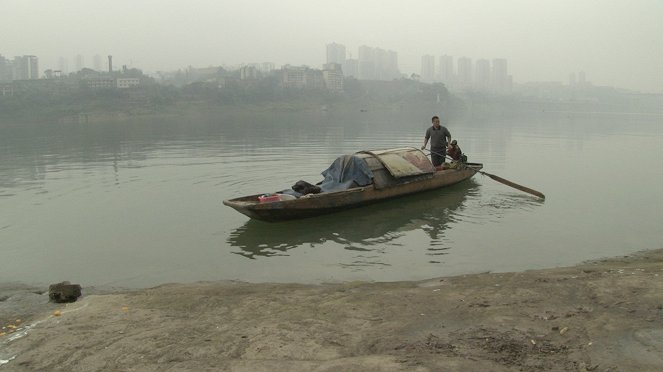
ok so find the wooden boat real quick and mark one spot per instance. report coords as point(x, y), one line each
point(395, 172)
point(431, 212)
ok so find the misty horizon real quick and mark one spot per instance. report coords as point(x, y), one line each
point(614, 43)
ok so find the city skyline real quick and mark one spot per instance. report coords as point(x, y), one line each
point(616, 42)
point(463, 76)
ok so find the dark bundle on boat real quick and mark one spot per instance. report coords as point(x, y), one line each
point(304, 188)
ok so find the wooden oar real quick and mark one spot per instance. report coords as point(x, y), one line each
point(504, 181)
point(513, 184)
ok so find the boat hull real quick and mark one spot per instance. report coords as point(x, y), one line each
point(330, 202)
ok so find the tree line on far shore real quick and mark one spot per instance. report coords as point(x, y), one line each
point(65, 97)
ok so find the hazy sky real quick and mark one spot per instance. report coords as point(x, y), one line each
point(615, 42)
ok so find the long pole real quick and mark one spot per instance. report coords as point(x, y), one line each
point(502, 180)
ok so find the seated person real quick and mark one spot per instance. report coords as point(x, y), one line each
point(453, 150)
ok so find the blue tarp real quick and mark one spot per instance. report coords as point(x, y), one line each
point(345, 172)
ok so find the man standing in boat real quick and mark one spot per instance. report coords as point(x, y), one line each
point(439, 137)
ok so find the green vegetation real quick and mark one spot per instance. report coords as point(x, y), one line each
point(91, 96)
point(72, 99)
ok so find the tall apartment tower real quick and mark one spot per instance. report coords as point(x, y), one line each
point(79, 62)
point(25, 68)
point(336, 53)
point(351, 68)
point(266, 67)
point(501, 79)
point(446, 69)
point(366, 63)
point(465, 72)
point(391, 65)
point(332, 74)
point(374, 64)
point(97, 62)
point(63, 65)
point(572, 79)
point(482, 74)
point(382, 62)
point(427, 68)
point(5, 69)
point(110, 63)
point(33, 63)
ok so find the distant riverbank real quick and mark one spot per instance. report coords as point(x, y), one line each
point(189, 109)
point(80, 104)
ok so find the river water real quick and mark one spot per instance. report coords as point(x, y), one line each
point(138, 203)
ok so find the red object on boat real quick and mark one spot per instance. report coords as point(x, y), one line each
point(268, 198)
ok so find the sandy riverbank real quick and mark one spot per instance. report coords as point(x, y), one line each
point(600, 316)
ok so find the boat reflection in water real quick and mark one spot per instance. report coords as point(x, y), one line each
point(368, 228)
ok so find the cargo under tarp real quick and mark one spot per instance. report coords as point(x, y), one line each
point(397, 166)
point(345, 172)
point(404, 162)
point(382, 168)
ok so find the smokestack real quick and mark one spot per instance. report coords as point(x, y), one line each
point(110, 63)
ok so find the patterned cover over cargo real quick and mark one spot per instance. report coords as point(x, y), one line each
point(404, 162)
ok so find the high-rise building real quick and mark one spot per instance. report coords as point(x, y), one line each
point(391, 66)
point(248, 73)
point(380, 63)
point(376, 64)
point(313, 79)
point(33, 62)
point(97, 62)
point(25, 68)
point(266, 67)
point(465, 72)
point(582, 79)
point(384, 61)
point(351, 68)
point(427, 68)
point(336, 53)
point(572, 79)
point(501, 80)
point(79, 62)
point(482, 74)
point(63, 65)
point(367, 63)
point(5, 69)
point(292, 76)
point(446, 69)
point(332, 74)
point(300, 77)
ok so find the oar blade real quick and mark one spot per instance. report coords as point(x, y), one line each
point(515, 185)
